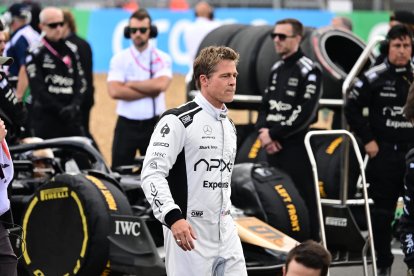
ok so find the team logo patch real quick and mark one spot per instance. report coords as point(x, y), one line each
point(165, 130)
point(207, 130)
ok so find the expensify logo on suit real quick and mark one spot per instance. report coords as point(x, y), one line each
point(105, 29)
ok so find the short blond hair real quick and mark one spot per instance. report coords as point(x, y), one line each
point(206, 62)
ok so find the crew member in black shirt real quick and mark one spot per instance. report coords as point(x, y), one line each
point(386, 134)
point(289, 106)
point(56, 81)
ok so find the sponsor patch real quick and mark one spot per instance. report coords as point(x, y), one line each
point(197, 213)
point(161, 144)
point(158, 154)
point(293, 82)
point(186, 119)
point(214, 185)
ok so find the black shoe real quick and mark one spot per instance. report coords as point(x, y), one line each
point(384, 271)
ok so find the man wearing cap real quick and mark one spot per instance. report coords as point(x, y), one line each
point(56, 81)
point(23, 36)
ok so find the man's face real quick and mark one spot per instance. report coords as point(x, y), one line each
point(2, 42)
point(139, 31)
point(400, 50)
point(220, 86)
point(297, 269)
point(286, 42)
point(52, 26)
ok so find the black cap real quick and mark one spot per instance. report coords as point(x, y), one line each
point(19, 9)
point(405, 17)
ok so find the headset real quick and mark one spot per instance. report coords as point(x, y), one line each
point(141, 14)
point(384, 45)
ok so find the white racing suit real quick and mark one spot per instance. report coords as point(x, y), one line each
point(187, 174)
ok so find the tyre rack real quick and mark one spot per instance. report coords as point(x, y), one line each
point(344, 201)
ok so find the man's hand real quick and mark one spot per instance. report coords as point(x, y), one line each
point(268, 144)
point(184, 234)
point(371, 148)
point(273, 147)
point(3, 130)
point(264, 137)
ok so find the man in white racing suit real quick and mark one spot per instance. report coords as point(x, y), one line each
point(187, 170)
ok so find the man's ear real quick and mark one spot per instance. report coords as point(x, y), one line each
point(284, 270)
point(203, 80)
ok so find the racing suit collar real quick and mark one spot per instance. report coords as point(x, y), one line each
point(293, 58)
point(219, 114)
point(400, 69)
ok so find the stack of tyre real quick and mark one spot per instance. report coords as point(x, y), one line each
point(336, 50)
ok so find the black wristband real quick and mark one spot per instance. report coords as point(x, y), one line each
point(173, 216)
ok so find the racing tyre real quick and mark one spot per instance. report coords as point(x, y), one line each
point(269, 194)
point(251, 150)
point(328, 155)
point(247, 43)
point(67, 223)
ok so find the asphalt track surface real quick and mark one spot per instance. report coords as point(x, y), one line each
point(398, 268)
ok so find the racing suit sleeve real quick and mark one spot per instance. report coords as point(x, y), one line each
point(37, 85)
point(161, 155)
point(407, 219)
point(358, 98)
point(303, 110)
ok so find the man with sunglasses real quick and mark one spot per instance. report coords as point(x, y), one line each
point(137, 78)
point(56, 81)
point(289, 106)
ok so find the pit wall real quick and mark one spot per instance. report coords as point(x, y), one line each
point(103, 28)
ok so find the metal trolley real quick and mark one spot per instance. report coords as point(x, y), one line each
point(344, 201)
